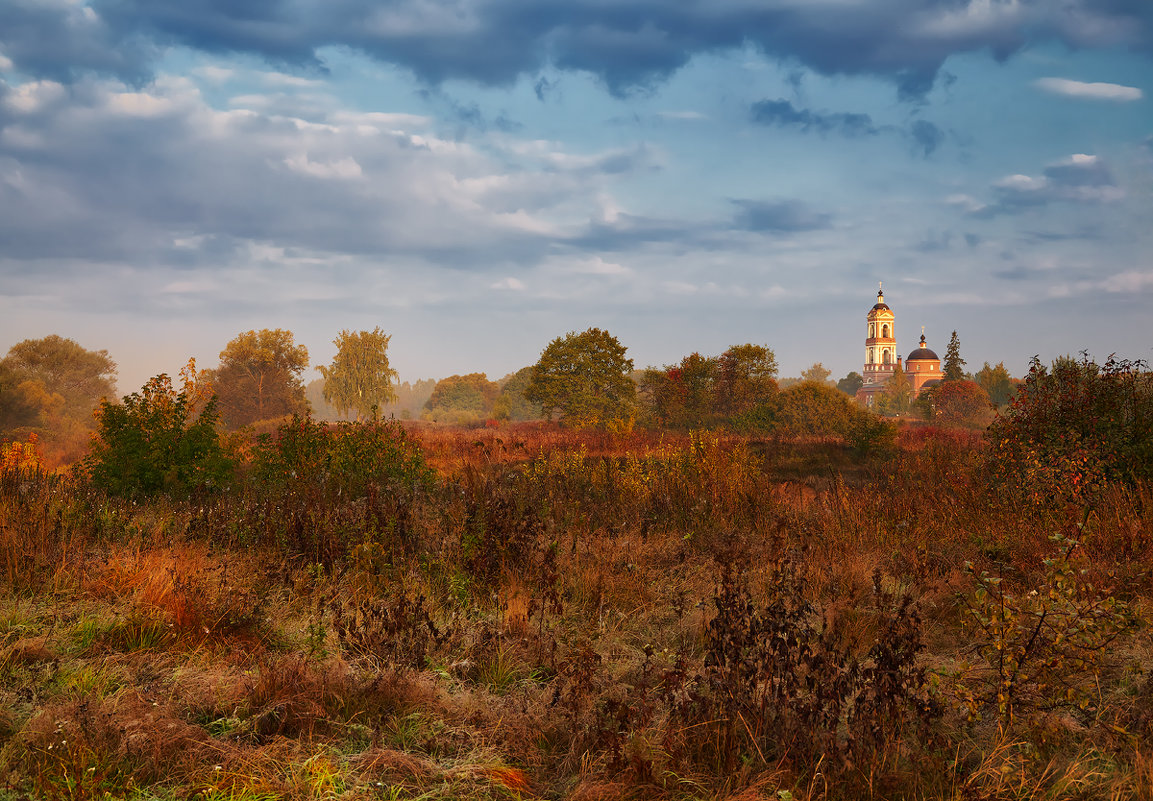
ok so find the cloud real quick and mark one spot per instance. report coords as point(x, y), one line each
point(778, 216)
point(1080, 178)
point(628, 44)
point(159, 177)
point(783, 114)
point(1090, 91)
point(926, 136)
point(681, 115)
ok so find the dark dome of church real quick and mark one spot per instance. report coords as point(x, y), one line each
point(882, 307)
point(921, 354)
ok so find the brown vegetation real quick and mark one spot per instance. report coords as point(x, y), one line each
point(583, 615)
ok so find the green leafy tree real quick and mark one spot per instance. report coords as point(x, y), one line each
point(461, 399)
point(997, 382)
point(583, 379)
point(511, 404)
point(851, 383)
point(359, 379)
point(954, 366)
point(259, 377)
point(160, 440)
point(746, 378)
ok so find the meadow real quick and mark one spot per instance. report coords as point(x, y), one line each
point(525, 611)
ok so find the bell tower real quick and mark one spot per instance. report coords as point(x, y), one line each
point(880, 343)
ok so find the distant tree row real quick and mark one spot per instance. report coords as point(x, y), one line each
point(51, 387)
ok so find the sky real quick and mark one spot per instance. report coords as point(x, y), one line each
point(479, 177)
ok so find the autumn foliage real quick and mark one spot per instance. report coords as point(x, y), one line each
point(1075, 427)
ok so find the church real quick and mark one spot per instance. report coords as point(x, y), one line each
point(922, 368)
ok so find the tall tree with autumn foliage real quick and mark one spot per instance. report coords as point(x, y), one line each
point(583, 379)
point(45, 380)
point(49, 387)
point(259, 377)
point(746, 378)
point(359, 379)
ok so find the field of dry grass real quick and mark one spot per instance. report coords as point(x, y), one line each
point(583, 616)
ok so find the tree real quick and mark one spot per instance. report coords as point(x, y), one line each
point(851, 383)
point(746, 378)
point(997, 382)
point(818, 372)
point(683, 394)
point(359, 378)
point(897, 396)
point(584, 379)
point(51, 381)
point(259, 377)
point(461, 399)
point(960, 404)
point(954, 366)
point(160, 440)
point(511, 404)
point(814, 408)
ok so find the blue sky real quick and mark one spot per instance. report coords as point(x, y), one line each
point(478, 177)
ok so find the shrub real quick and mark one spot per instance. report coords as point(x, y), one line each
point(159, 440)
point(813, 408)
point(1074, 427)
point(962, 404)
point(347, 460)
point(1042, 646)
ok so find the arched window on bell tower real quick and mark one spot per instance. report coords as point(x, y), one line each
point(885, 331)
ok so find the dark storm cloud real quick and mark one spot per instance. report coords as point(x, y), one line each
point(778, 216)
point(628, 44)
point(784, 114)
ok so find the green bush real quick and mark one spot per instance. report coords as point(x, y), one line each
point(345, 459)
point(158, 441)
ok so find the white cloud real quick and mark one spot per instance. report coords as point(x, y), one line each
point(214, 74)
point(139, 104)
point(1131, 281)
point(5, 63)
point(34, 96)
point(284, 79)
point(1021, 183)
point(342, 169)
point(598, 266)
point(510, 284)
point(968, 203)
point(1090, 91)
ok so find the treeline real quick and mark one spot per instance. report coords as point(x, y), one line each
point(50, 388)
